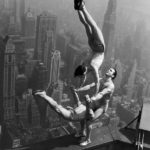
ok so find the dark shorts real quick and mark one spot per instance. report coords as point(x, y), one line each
point(74, 116)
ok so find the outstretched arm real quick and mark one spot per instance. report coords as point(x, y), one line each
point(105, 91)
point(85, 88)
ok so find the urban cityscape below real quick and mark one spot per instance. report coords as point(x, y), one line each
point(41, 44)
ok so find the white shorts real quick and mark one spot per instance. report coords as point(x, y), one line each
point(97, 60)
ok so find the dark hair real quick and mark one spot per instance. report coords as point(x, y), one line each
point(79, 71)
point(115, 73)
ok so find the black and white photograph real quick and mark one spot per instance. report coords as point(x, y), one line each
point(74, 74)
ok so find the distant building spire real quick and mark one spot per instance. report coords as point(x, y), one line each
point(109, 26)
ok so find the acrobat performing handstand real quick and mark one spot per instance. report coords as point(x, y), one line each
point(94, 107)
point(96, 43)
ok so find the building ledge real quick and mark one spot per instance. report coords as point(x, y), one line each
point(103, 137)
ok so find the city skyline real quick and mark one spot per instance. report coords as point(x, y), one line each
point(40, 49)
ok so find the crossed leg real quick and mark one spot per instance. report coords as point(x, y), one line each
point(93, 31)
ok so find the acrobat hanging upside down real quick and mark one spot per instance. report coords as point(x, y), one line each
point(96, 43)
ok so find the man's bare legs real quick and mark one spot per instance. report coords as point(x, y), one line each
point(91, 117)
point(82, 131)
point(97, 113)
point(71, 114)
point(55, 106)
point(86, 25)
point(96, 33)
point(96, 41)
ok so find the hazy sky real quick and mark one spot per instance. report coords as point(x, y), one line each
point(129, 14)
point(65, 12)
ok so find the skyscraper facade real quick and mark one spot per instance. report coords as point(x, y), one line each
point(39, 77)
point(39, 82)
point(8, 82)
point(2, 54)
point(2, 4)
point(16, 9)
point(55, 67)
point(72, 55)
point(28, 29)
point(109, 26)
point(46, 23)
point(29, 24)
point(10, 5)
point(19, 13)
point(49, 48)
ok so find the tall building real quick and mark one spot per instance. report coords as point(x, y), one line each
point(39, 77)
point(46, 23)
point(55, 67)
point(29, 24)
point(10, 5)
point(54, 120)
point(109, 27)
point(2, 54)
point(2, 4)
point(22, 110)
point(35, 117)
point(12, 29)
point(7, 81)
point(28, 113)
point(16, 9)
point(49, 48)
point(29, 67)
point(72, 57)
point(19, 13)
point(20, 50)
point(131, 81)
point(39, 81)
point(62, 42)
